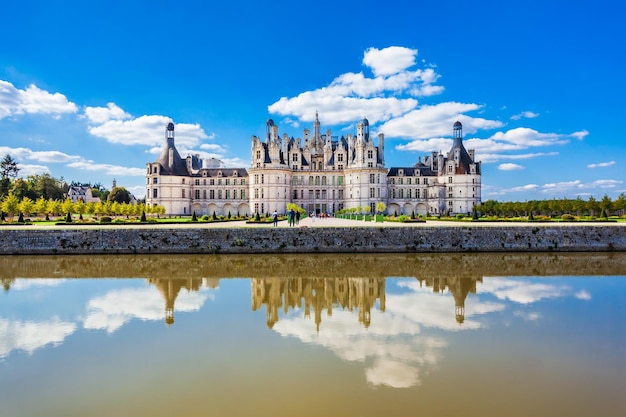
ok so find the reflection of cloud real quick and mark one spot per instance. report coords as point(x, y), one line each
point(528, 316)
point(28, 283)
point(436, 310)
point(392, 373)
point(112, 310)
point(32, 335)
point(583, 295)
point(392, 346)
point(523, 292)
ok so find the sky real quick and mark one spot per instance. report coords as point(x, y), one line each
point(86, 88)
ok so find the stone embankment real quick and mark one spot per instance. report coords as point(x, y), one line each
point(164, 240)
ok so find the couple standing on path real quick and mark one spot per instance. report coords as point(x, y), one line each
point(294, 217)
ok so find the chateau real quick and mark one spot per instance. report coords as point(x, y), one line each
point(320, 173)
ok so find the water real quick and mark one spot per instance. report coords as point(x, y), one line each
point(310, 335)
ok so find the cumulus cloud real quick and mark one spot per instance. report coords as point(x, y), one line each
point(100, 115)
point(601, 164)
point(32, 169)
point(352, 96)
point(561, 188)
point(525, 115)
point(32, 100)
point(148, 131)
point(510, 167)
point(390, 60)
point(437, 120)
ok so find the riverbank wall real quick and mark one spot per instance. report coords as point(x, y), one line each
point(424, 239)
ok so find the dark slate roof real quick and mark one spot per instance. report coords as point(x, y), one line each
point(226, 172)
point(424, 171)
point(464, 159)
point(178, 164)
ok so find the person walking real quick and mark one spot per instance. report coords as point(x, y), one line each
point(291, 218)
point(275, 216)
point(297, 217)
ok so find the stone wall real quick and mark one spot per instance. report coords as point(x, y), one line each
point(162, 240)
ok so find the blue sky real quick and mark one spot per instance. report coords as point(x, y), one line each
point(86, 88)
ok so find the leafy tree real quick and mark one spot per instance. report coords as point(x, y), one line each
point(22, 188)
point(67, 206)
point(381, 207)
point(27, 206)
point(55, 206)
point(41, 206)
point(119, 194)
point(8, 167)
point(46, 186)
point(605, 204)
point(10, 205)
point(80, 207)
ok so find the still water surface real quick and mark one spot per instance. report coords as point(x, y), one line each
point(314, 335)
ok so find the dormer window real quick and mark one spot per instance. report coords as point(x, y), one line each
point(219, 173)
point(234, 173)
point(400, 172)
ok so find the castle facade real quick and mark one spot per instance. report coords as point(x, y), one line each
point(320, 173)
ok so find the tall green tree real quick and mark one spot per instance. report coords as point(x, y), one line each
point(119, 194)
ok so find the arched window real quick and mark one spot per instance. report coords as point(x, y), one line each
point(311, 180)
point(317, 180)
point(323, 180)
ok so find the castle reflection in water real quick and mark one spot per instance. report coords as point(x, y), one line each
point(316, 295)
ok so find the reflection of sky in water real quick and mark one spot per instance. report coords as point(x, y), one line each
point(102, 347)
point(397, 348)
point(42, 312)
point(409, 338)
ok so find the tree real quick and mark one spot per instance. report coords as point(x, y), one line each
point(67, 206)
point(605, 205)
point(41, 206)
point(27, 206)
point(22, 188)
point(381, 207)
point(8, 167)
point(119, 194)
point(10, 205)
point(55, 206)
point(46, 186)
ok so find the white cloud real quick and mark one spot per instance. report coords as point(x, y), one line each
point(488, 157)
point(525, 115)
point(108, 168)
point(510, 167)
point(583, 295)
point(148, 131)
point(388, 61)
point(580, 135)
point(430, 121)
point(352, 96)
point(32, 100)
point(601, 164)
point(40, 156)
point(100, 115)
point(32, 169)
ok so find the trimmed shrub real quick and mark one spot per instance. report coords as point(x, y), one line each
point(105, 219)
